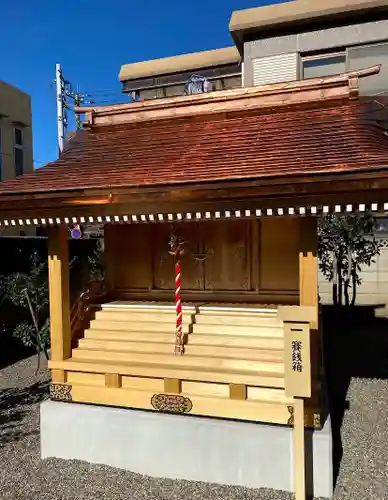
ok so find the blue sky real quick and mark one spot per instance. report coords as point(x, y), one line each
point(92, 39)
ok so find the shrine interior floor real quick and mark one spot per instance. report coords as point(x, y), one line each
point(363, 474)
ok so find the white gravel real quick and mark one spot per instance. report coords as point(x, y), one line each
point(24, 476)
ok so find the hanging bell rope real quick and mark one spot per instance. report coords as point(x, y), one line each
point(176, 249)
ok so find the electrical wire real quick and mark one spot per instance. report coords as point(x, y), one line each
point(34, 161)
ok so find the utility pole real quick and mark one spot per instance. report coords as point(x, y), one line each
point(61, 113)
point(65, 92)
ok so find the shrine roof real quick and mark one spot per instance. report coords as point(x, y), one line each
point(204, 139)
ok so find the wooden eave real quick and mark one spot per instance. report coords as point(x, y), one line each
point(317, 189)
point(284, 94)
point(338, 185)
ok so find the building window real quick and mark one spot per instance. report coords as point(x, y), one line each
point(1, 159)
point(323, 65)
point(366, 56)
point(275, 69)
point(18, 150)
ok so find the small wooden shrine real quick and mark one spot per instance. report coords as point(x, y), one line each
point(210, 205)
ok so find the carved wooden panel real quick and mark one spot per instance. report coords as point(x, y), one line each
point(133, 260)
point(279, 254)
point(227, 246)
point(163, 262)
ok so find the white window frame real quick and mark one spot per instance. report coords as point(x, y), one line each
point(1, 153)
point(20, 147)
point(322, 57)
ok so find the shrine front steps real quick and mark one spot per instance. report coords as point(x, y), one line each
point(214, 329)
point(224, 351)
point(201, 320)
point(202, 317)
point(233, 365)
point(259, 342)
point(198, 362)
point(248, 340)
point(253, 342)
point(148, 373)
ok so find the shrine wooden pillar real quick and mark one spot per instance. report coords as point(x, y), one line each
point(306, 336)
point(59, 291)
point(308, 286)
point(308, 265)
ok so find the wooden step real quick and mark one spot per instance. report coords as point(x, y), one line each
point(186, 360)
point(165, 327)
point(257, 341)
point(195, 350)
point(145, 307)
point(142, 369)
point(141, 316)
point(239, 311)
point(237, 320)
point(248, 330)
point(211, 310)
point(152, 326)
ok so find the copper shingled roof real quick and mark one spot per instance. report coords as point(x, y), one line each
point(229, 146)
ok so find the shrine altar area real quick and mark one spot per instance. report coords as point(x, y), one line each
point(225, 260)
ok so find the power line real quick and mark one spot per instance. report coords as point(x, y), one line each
point(69, 99)
point(34, 161)
point(66, 95)
point(101, 91)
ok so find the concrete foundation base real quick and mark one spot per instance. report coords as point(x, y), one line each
point(185, 447)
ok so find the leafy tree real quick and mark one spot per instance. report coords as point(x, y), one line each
point(96, 263)
point(30, 291)
point(345, 244)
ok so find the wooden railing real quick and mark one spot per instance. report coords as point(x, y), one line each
point(94, 293)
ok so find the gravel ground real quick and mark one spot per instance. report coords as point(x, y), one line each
point(364, 466)
point(363, 473)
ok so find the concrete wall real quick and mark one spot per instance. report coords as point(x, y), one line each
point(15, 110)
point(216, 451)
point(331, 39)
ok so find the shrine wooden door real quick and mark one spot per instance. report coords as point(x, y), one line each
point(217, 256)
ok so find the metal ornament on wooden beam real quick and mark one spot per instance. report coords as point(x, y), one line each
point(177, 250)
point(76, 232)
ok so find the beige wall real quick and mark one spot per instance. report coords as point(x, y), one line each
point(15, 110)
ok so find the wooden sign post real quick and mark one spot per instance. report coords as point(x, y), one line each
point(297, 381)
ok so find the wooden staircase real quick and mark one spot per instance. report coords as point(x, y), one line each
point(236, 365)
point(233, 365)
point(238, 342)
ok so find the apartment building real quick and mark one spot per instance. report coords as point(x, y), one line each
point(308, 39)
point(16, 157)
point(285, 42)
point(206, 71)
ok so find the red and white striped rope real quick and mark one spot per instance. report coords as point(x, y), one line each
point(178, 304)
